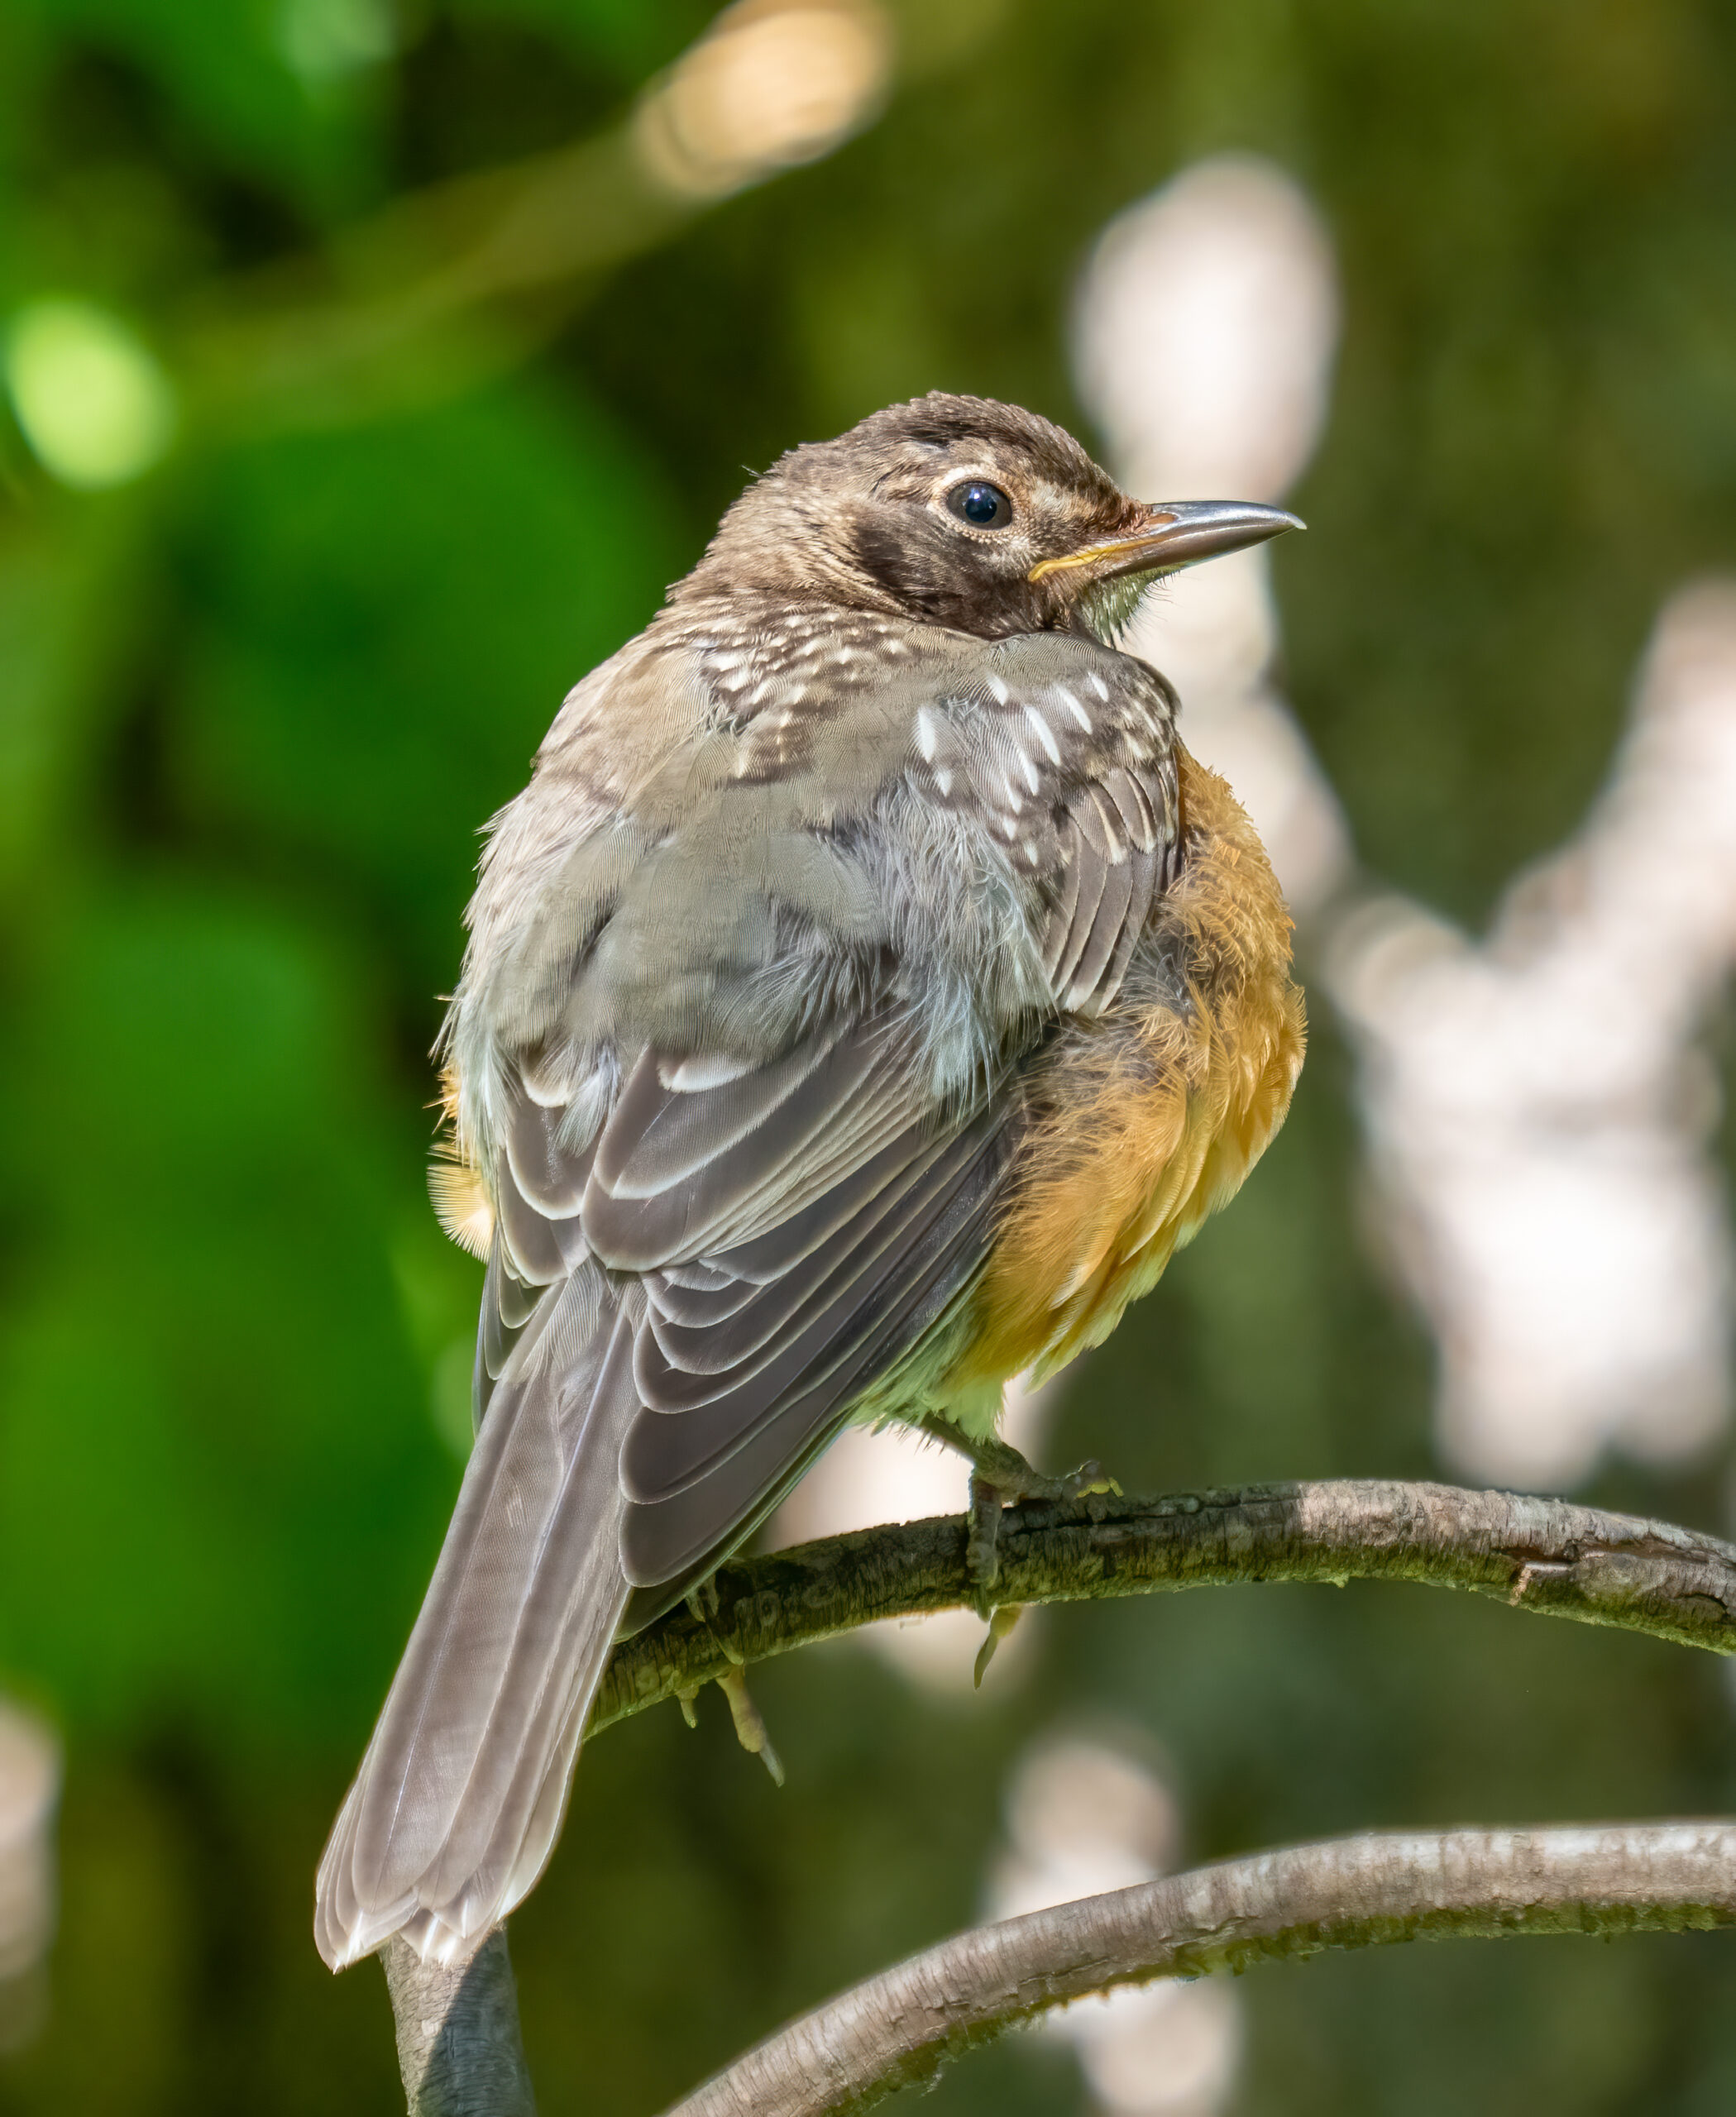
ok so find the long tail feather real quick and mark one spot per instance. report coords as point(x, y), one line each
point(458, 1801)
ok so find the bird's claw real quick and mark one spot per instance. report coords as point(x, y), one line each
point(750, 1728)
point(1090, 1477)
point(1000, 1622)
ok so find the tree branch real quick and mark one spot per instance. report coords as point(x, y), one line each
point(457, 2028)
point(900, 2028)
point(1539, 1554)
point(459, 2049)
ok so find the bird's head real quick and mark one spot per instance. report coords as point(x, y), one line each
point(965, 513)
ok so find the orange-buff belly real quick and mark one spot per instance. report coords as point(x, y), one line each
point(1147, 1120)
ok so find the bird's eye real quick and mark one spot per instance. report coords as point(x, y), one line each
point(983, 506)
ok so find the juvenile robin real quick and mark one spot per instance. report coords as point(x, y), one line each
point(864, 1000)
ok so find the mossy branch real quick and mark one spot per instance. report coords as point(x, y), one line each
point(1545, 1555)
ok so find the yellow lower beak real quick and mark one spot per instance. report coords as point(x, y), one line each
point(1174, 534)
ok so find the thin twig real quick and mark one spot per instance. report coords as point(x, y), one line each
point(1540, 1555)
point(899, 2028)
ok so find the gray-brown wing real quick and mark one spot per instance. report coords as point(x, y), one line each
point(676, 1317)
point(794, 1230)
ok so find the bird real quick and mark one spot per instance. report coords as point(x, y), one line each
point(864, 998)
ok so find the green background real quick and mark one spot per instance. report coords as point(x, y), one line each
point(253, 708)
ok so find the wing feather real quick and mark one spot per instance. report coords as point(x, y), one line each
point(533, 1247)
point(657, 1203)
point(550, 1176)
point(669, 1541)
point(713, 1333)
point(661, 1137)
point(789, 1323)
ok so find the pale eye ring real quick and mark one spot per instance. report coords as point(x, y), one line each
point(980, 504)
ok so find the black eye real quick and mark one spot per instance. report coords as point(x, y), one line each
point(983, 506)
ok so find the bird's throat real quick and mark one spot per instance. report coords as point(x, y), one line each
point(1107, 608)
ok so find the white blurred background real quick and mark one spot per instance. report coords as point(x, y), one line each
point(1539, 1103)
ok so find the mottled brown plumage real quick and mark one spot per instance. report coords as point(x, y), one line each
point(863, 999)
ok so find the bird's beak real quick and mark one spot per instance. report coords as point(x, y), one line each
point(1174, 534)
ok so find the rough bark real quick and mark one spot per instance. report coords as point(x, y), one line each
point(899, 2028)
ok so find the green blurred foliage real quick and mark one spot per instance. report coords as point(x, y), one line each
point(253, 710)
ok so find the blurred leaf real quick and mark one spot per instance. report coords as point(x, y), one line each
point(390, 618)
point(232, 74)
point(72, 599)
point(633, 37)
point(204, 1495)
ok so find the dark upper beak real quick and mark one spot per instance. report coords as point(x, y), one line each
point(1174, 534)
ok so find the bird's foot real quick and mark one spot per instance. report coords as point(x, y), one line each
point(703, 1602)
point(1001, 1479)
